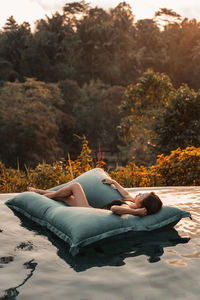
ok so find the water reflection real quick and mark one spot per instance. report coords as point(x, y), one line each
point(111, 252)
point(12, 293)
point(27, 246)
point(6, 259)
point(167, 262)
point(176, 262)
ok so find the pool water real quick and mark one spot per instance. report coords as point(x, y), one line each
point(36, 265)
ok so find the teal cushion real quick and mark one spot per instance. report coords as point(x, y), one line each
point(97, 193)
point(81, 226)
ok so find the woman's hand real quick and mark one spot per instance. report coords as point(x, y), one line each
point(115, 185)
point(108, 181)
point(141, 211)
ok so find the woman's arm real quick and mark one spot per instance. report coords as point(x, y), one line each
point(118, 187)
point(120, 210)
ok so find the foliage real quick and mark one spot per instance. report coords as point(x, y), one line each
point(83, 163)
point(149, 46)
point(107, 42)
point(85, 43)
point(55, 49)
point(71, 93)
point(178, 125)
point(166, 16)
point(45, 175)
point(181, 167)
point(143, 102)
point(181, 61)
point(131, 175)
point(110, 118)
point(39, 120)
point(12, 180)
point(99, 114)
point(90, 102)
point(29, 122)
point(82, 59)
point(14, 41)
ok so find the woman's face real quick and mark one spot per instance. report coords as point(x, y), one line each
point(139, 198)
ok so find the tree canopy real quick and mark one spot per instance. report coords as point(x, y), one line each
point(122, 83)
point(29, 122)
point(85, 43)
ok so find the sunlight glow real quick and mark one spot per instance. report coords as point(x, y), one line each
point(22, 10)
point(32, 10)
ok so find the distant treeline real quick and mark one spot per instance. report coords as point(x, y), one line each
point(85, 43)
point(127, 86)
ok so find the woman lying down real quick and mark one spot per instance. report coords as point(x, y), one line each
point(73, 195)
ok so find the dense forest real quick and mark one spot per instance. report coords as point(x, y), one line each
point(131, 87)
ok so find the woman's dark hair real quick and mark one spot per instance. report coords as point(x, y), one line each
point(152, 203)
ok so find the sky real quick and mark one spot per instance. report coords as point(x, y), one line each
point(32, 10)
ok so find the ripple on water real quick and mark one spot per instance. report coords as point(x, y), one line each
point(33, 262)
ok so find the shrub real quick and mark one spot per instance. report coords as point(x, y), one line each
point(12, 180)
point(132, 175)
point(181, 167)
point(45, 175)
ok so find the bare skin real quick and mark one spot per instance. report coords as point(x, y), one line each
point(74, 195)
point(133, 204)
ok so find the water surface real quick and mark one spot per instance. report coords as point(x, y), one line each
point(35, 265)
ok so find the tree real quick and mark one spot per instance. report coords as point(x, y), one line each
point(110, 118)
point(149, 46)
point(88, 118)
point(126, 43)
point(180, 40)
point(107, 45)
point(14, 44)
point(99, 114)
point(97, 37)
point(195, 66)
point(166, 16)
point(71, 94)
point(55, 47)
point(29, 122)
point(178, 125)
point(143, 102)
point(74, 11)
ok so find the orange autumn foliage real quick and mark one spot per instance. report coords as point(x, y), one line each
point(180, 167)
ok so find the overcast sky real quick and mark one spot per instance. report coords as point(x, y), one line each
point(32, 10)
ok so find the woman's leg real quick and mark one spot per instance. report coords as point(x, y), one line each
point(72, 194)
point(38, 191)
point(43, 192)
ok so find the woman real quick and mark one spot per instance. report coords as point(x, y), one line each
point(73, 195)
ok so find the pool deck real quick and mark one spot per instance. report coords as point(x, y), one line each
point(7, 196)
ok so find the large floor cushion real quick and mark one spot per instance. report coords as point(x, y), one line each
point(81, 226)
point(97, 193)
